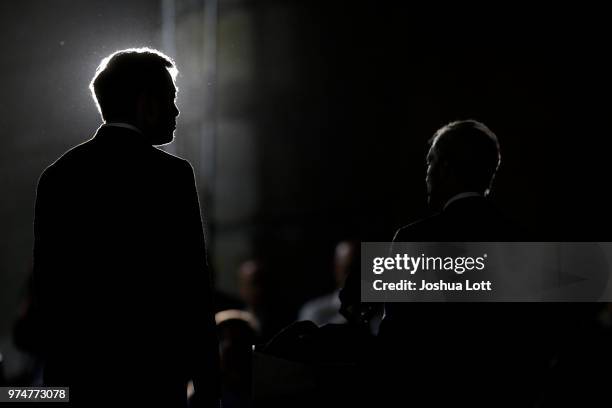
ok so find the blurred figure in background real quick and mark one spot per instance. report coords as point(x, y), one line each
point(237, 331)
point(256, 290)
point(2, 379)
point(323, 363)
point(326, 309)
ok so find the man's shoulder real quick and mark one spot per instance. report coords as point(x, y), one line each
point(73, 157)
point(171, 166)
point(420, 230)
point(170, 160)
point(85, 154)
point(478, 222)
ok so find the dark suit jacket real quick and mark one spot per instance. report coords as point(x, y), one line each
point(121, 281)
point(466, 219)
point(473, 354)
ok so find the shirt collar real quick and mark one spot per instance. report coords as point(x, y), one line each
point(459, 196)
point(123, 125)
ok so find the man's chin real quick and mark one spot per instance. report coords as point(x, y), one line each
point(163, 140)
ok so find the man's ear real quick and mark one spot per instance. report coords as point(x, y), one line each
point(488, 189)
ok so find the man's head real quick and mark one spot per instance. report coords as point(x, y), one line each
point(136, 86)
point(464, 156)
point(253, 283)
point(346, 258)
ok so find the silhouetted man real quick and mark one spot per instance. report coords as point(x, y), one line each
point(326, 309)
point(120, 273)
point(461, 165)
point(464, 354)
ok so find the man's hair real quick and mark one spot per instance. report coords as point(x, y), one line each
point(124, 75)
point(472, 151)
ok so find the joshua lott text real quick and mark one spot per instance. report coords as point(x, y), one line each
point(440, 285)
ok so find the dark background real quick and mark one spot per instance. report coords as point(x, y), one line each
point(307, 122)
